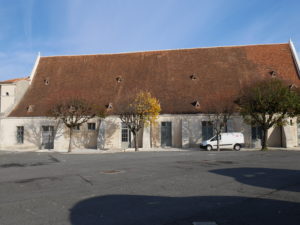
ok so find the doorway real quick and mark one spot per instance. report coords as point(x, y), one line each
point(125, 137)
point(166, 134)
point(207, 130)
point(47, 137)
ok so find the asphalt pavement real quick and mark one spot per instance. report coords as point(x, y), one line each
point(150, 188)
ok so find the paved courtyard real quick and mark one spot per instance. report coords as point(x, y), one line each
point(151, 188)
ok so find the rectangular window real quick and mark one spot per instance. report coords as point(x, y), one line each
point(256, 132)
point(125, 133)
point(207, 130)
point(20, 135)
point(91, 126)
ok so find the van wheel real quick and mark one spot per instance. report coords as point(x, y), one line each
point(208, 147)
point(237, 147)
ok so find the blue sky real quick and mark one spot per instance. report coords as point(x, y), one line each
point(66, 27)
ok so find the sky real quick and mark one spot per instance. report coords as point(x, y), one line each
point(71, 27)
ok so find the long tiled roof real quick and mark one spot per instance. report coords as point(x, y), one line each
point(177, 78)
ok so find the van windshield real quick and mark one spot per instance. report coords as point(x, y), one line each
point(215, 138)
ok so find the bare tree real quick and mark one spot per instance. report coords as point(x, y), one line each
point(134, 122)
point(144, 110)
point(219, 111)
point(73, 113)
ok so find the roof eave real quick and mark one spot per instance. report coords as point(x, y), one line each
point(33, 72)
point(295, 57)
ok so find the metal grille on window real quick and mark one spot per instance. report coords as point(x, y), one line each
point(20, 135)
point(124, 133)
point(91, 126)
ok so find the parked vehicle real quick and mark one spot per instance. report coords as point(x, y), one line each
point(227, 140)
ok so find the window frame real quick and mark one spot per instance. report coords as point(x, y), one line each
point(256, 133)
point(207, 127)
point(91, 126)
point(20, 134)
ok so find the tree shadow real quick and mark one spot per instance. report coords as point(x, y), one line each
point(156, 210)
point(112, 126)
point(85, 139)
point(264, 177)
point(33, 131)
point(33, 135)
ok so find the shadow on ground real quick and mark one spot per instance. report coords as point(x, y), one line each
point(264, 177)
point(155, 210)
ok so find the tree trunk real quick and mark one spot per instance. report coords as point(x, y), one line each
point(150, 135)
point(264, 139)
point(99, 135)
point(135, 137)
point(218, 141)
point(70, 140)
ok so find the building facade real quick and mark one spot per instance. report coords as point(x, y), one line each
point(178, 78)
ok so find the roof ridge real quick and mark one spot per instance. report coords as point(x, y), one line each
point(164, 50)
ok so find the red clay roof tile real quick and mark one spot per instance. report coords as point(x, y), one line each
point(166, 74)
point(13, 80)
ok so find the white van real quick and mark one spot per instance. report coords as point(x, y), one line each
point(227, 140)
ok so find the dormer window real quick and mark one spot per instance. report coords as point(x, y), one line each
point(193, 77)
point(46, 81)
point(109, 106)
point(292, 86)
point(196, 104)
point(119, 79)
point(72, 109)
point(30, 108)
point(273, 73)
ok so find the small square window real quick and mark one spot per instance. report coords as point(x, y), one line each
point(91, 126)
point(7, 93)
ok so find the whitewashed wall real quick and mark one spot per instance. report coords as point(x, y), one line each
point(11, 94)
point(186, 133)
point(7, 100)
point(33, 134)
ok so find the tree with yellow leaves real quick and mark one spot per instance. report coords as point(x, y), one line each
point(143, 111)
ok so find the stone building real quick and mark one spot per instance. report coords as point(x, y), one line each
point(183, 80)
